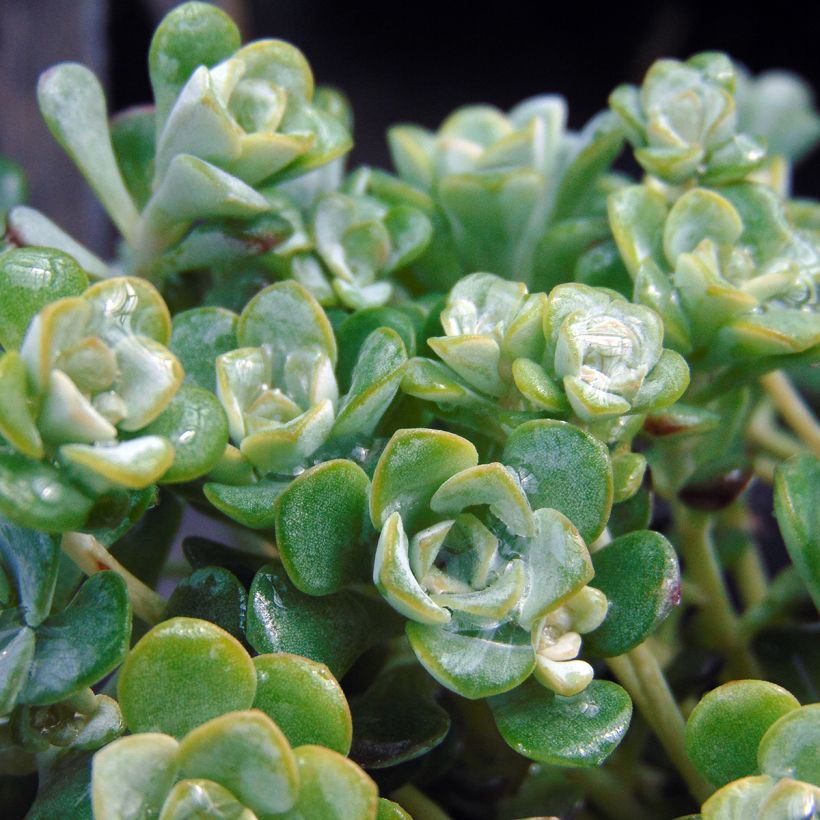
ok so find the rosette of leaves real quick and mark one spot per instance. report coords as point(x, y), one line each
point(509, 355)
point(188, 181)
point(53, 646)
point(494, 591)
point(281, 397)
point(501, 179)
point(89, 392)
point(754, 741)
point(683, 122)
point(729, 274)
point(261, 737)
point(359, 241)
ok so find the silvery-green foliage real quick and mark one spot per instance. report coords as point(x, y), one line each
point(682, 122)
point(500, 179)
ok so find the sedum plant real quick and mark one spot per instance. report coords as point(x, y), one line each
point(425, 492)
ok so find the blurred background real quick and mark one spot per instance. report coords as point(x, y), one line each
point(397, 61)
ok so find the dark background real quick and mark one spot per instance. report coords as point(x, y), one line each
point(397, 61)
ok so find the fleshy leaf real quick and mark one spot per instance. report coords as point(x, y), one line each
point(334, 629)
point(199, 336)
point(397, 718)
point(412, 467)
point(73, 106)
point(80, 645)
point(182, 673)
point(32, 559)
point(471, 663)
point(331, 787)
point(790, 746)
point(725, 728)
point(252, 505)
point(247, 753)
point(581, 730)
point(213, 594)
point(30, 278)
point(195, 424)
point(304, 700)
point(798, 514)
point(35, 495)
point(564, 468)
point(132, 776)
point(640, 577)
point(321, 520)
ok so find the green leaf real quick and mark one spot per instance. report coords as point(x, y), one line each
point(73, 106)
point(640, 577)
point(213, 594)
point(321, 523)
point(17, 421)
point(304, 700)
point(82, 644)
point(637, 215)
point(397, 718)
point(195, 424)
point(474, 664)
point(133, 137)
point(190, 798)
point(582, 730)
point(699, 214)
point(38, 496)
point(357, 327)
point(32, 560)
point(199, 336)
point(564, 468)
point(412, 467)
point(725, 728)
point(798, 515)
point(16, 654)
point(247, 754)
point(191, 35)
point(388, 810)
point(202, 553)
point(182, 673)
point(558, 563)
point(286, 317)
point(791, 746)
point(64, 789)
point(332, 787)
point(13, 187)
point(132, 776)
point(375, 381)
point(30, 278)
point(252, 505)
point(282, 619)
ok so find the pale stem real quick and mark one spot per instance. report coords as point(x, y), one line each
point(418, 805)
point(764, 468)
point(91, 556)
point(702, 566)
point(793, 409)
point(748, 571)
point(640, 674)
point(764, 433)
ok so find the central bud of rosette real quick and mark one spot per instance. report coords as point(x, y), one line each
point(495, 591)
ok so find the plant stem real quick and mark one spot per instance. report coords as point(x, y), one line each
point(750, 576)
point(765, 434)
point(418, 805)
point(702, 565)
point(91, 556)
point(793, 409)
point(640, 674)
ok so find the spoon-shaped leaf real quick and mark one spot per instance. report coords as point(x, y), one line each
point(581, 730)
point(73, 106)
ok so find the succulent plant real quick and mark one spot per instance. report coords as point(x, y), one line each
point(682, 122)
point(415, 481)
point(501, 179)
